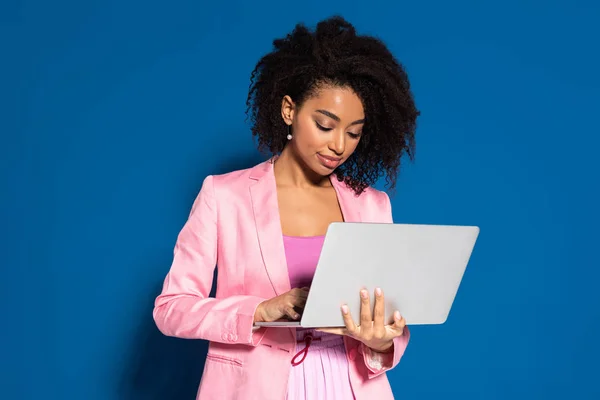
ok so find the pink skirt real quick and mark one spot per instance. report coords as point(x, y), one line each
point(324, 373)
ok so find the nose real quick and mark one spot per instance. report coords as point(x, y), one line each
point(337, 143)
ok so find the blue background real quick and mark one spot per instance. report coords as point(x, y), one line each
point(113, 112)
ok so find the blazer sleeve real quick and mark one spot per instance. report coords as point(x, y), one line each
point(379, 363)
point(184, 309)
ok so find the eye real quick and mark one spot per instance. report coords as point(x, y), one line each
point(354, 135)
point(321, 127)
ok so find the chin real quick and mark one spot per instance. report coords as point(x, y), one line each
point(324, 171)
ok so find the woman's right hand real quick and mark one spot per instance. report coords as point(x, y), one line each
point(284, 305)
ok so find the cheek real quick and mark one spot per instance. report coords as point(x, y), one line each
point(351, 147)
point(310, 137)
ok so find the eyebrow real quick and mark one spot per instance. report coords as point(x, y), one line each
point(335, 117)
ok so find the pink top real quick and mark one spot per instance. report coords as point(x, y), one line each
point(302, 254)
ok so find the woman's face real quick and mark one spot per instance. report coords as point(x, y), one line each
point(326, 129)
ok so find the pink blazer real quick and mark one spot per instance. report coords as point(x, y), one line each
point(234, 223)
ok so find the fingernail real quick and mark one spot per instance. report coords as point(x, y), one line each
point(364, 294)
point(296, 316)
point(345, 309)
point(378, 291)
point(397, 315)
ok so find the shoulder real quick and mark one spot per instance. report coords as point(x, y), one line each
point(369, 196)
point(374, 204)
point(233, 184)
point(232, 179)
point(219, 182)
point(375, 196)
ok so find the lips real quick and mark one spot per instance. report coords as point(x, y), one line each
point(329, 161)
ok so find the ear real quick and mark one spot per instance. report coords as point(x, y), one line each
point(288, 107)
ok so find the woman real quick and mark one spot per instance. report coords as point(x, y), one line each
point(336, 111)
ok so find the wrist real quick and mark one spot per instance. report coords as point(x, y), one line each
point(386, 349)
point(258, 313)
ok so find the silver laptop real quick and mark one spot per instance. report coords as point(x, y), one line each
point(419, 268)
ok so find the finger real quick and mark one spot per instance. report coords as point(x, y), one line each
point(399, 322)
point(301, 293)
point(348, 320)
point(335, 331)
point(298, 302)
point(299, 309)
point(379, 310)
point(290, 312)
point(365, 311)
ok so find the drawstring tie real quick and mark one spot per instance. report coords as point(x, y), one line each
point(308, 339)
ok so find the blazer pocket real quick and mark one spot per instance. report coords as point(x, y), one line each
point(224, 359)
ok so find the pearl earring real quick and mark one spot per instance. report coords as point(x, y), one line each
point(289, 136)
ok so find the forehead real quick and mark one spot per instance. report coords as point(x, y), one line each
point(341, 101)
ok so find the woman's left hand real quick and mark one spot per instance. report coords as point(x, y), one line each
point(372, 331)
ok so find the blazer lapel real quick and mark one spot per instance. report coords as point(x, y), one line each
point(347, 199)
point(268, 225)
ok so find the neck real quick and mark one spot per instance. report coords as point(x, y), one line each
point(291, 171)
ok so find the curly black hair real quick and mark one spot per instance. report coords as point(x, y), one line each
point(334, 55)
